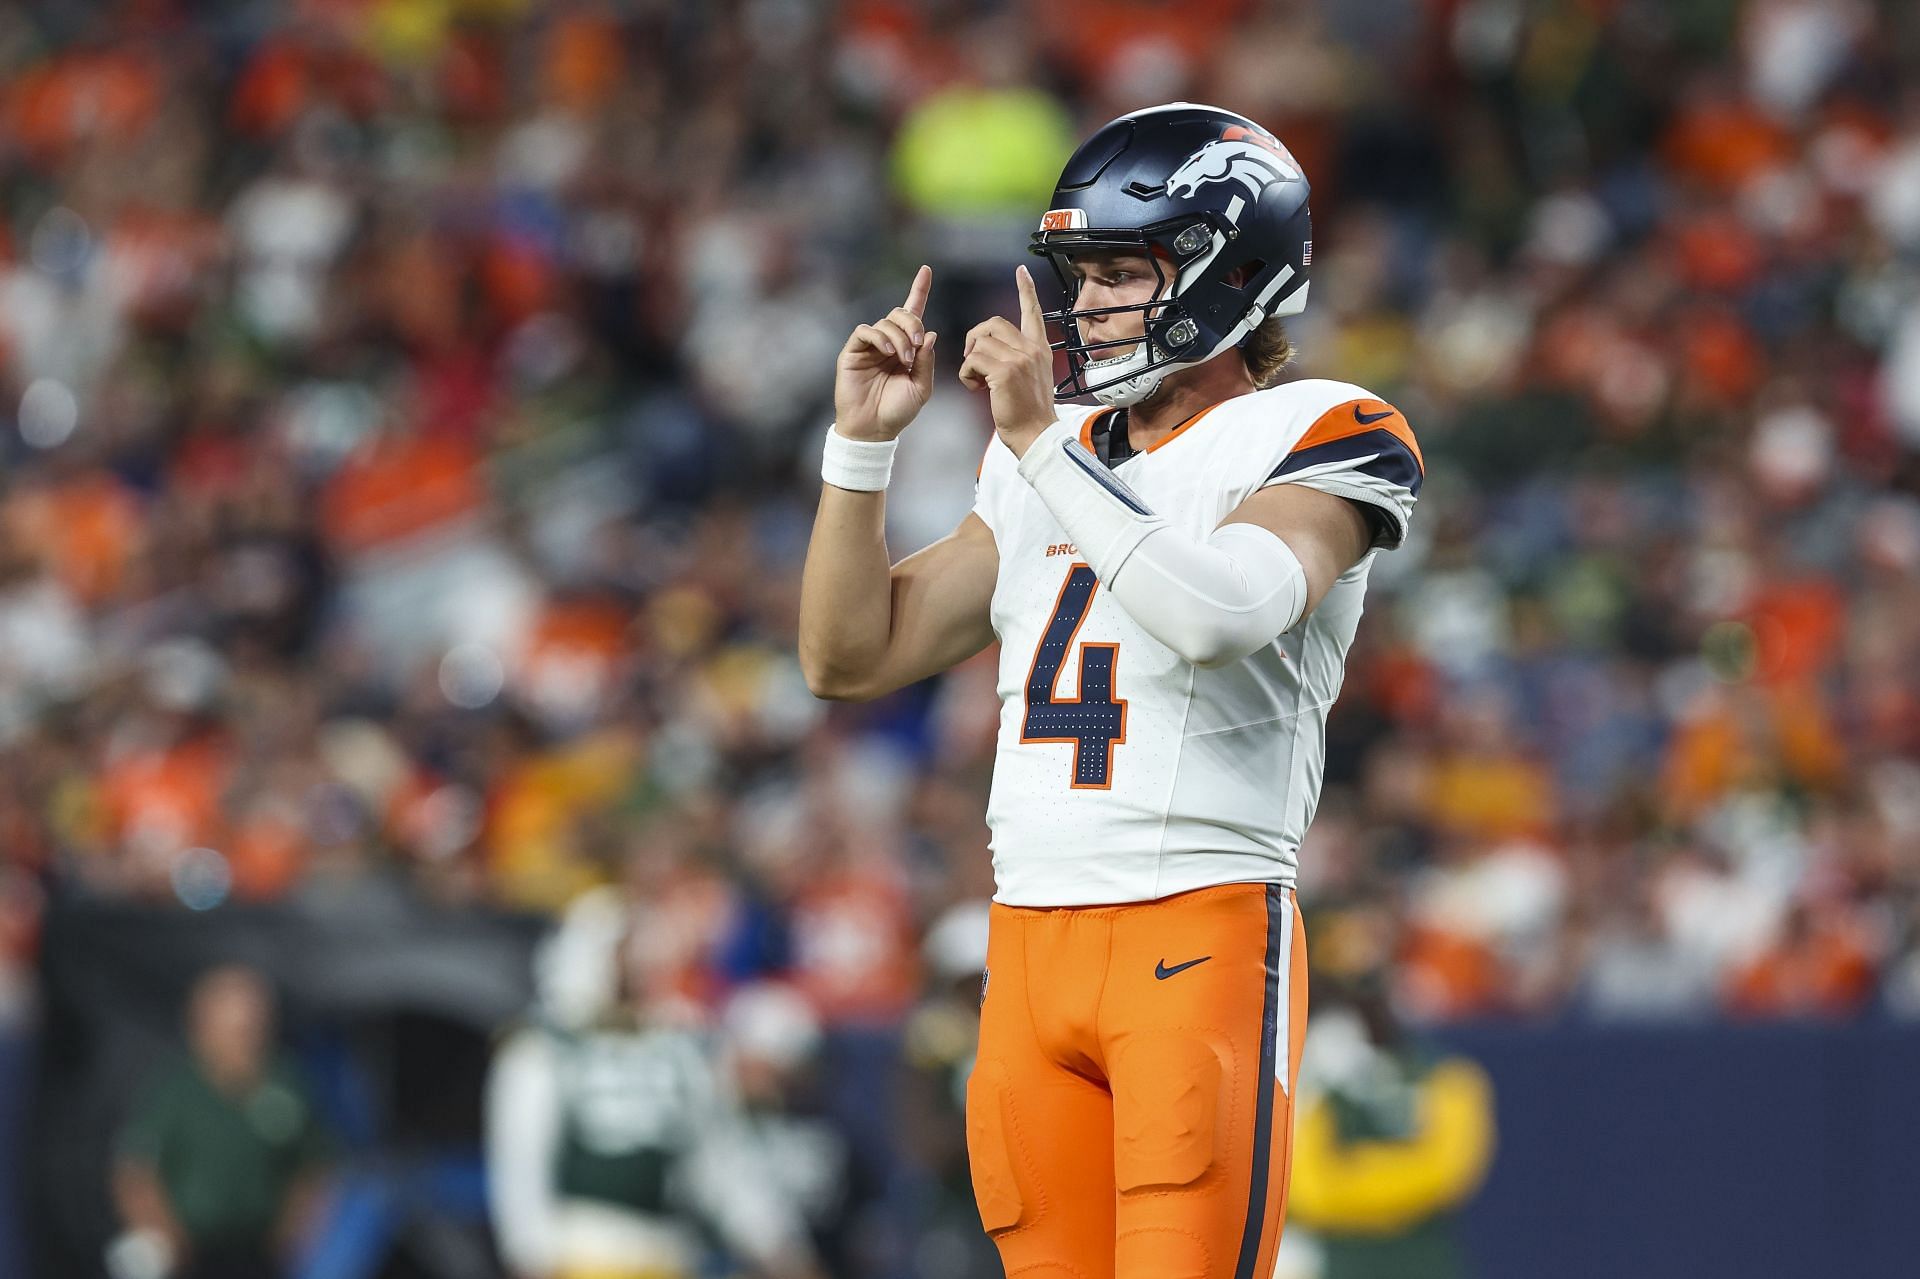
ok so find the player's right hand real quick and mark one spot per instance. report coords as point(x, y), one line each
point(885, 371)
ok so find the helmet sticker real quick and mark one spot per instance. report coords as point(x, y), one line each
point(1238, 155)
point(1064, 220)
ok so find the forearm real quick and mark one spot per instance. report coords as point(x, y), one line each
point(300, 1214)
point(1216, 601)
point(1379, 1186)
point(1211, 601)
point(142, 1203)
point(753, 1217)
point(846, 595)
point(522, 1109)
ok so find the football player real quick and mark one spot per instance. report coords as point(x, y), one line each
point(1174, 574)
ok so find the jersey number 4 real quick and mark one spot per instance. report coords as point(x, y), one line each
point(1095, 721)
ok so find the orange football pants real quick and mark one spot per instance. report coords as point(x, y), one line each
point(1130, 1113)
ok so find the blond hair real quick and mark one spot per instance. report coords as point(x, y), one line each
point(1268, 351)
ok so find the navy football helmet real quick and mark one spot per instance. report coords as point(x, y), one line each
point(1208, 196)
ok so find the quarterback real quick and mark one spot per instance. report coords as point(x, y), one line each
point(1174, 574)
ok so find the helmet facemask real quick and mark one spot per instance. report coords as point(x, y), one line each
point(1170, 338)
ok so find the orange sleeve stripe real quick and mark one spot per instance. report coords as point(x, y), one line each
point(1343, 420)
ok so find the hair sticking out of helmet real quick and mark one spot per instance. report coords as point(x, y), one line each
point(1215, 203)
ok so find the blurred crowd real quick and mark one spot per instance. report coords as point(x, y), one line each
point(409, 414)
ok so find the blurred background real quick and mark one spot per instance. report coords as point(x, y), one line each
point(420, 855)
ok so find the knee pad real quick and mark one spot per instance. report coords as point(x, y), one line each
point(1163, 1252)
point(992, 1156)
point(1166, 1109)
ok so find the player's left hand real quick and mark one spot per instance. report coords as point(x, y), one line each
point(1015, 367)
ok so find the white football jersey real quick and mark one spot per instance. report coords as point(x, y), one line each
point(1125, 773)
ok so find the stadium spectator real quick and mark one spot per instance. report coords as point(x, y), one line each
point(220, 1162)
point(942, 1034)
point(771, 1044)
point(616, 1139)
point(1394, 1138)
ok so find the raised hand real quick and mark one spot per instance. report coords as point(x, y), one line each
point(885, 371)
point(1015, 367)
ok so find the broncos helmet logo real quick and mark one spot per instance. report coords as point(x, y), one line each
point(1238, 155)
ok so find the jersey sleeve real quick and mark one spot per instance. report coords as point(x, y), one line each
point(1363, 450)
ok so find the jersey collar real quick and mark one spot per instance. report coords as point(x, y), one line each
point(1105, 434)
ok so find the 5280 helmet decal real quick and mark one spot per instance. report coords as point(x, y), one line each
point(1214, 203)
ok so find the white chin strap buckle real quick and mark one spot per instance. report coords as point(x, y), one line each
point(1130, 392)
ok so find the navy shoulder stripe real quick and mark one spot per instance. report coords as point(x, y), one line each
point(1393, 461)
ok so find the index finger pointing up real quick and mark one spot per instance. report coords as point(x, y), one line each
point(917, 294)
point(1033, 321)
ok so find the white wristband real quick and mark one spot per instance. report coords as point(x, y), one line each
point(864, 466)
